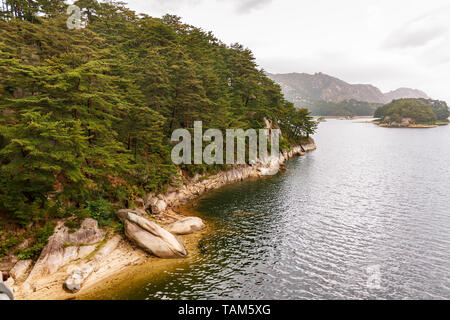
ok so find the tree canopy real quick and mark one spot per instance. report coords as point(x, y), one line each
point(87, 114)
point(420, 110)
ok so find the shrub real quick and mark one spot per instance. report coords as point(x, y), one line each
point(39, 242)
point(102, 211)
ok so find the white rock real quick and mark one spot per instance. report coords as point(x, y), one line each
point(109, 247)
point(159, 207)
point(79, 275)
point(186, 226)
point(56, 253)
point(151, 237)
point(84, 251)
point(20, 269)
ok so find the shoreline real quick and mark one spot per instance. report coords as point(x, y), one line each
point(386, 125)
point(126, 262)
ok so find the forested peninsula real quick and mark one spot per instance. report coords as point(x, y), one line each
point(86, 117)
point(413, 113)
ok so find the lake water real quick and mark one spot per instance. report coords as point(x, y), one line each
point(365, 216)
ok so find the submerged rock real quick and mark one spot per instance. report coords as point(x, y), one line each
point(151, 237)
point(186, 226)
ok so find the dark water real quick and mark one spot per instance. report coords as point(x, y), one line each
point(365, 216)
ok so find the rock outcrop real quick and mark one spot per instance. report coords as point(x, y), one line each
point(64, 247)
point(79, 274)
point(196, 187)
point(18, 272)
point(186, 225)
point(151, 237)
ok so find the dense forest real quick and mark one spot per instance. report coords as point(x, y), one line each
point(344, 108)
point(86, 115)
point(421, 111)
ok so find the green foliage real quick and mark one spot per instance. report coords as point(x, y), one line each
point(101, 210)
point(440, 109)
point(39, 242)
point(73, 225)
point(343, 108)
point(420, 110)
point(87, 114)
point(296, 125)
point(7, 242)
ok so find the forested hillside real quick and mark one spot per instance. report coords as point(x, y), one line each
point(343, 108)
point(418, 110)
point(86, 115)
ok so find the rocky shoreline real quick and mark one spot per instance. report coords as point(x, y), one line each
point(407, 123)
point(74, 263)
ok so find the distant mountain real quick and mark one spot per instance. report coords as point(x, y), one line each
point(314, 90)
point(405, 93)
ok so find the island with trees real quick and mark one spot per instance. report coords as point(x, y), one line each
point(413, 113)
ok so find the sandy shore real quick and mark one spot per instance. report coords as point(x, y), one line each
point(126, 266)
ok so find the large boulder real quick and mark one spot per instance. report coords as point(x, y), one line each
point(151, 237)
point(186, 226)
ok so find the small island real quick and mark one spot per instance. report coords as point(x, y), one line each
point(413, 113)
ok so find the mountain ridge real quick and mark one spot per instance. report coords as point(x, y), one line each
point(304, 88)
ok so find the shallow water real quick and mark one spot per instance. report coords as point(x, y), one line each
point(365, 216)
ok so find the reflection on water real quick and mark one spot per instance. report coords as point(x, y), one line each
point(366, 215)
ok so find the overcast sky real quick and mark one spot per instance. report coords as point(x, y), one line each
point(390, 44)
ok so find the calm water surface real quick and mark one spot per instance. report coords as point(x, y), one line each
point(365, 216)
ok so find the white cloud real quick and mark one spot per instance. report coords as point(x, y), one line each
point(391, 44)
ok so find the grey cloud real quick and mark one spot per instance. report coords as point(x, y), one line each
point(420, 31)
point(246, 6)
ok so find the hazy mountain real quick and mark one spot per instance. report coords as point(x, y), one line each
point(405, 93)
point(304, 89)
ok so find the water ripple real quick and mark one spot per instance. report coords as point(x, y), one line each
point(369, 197)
